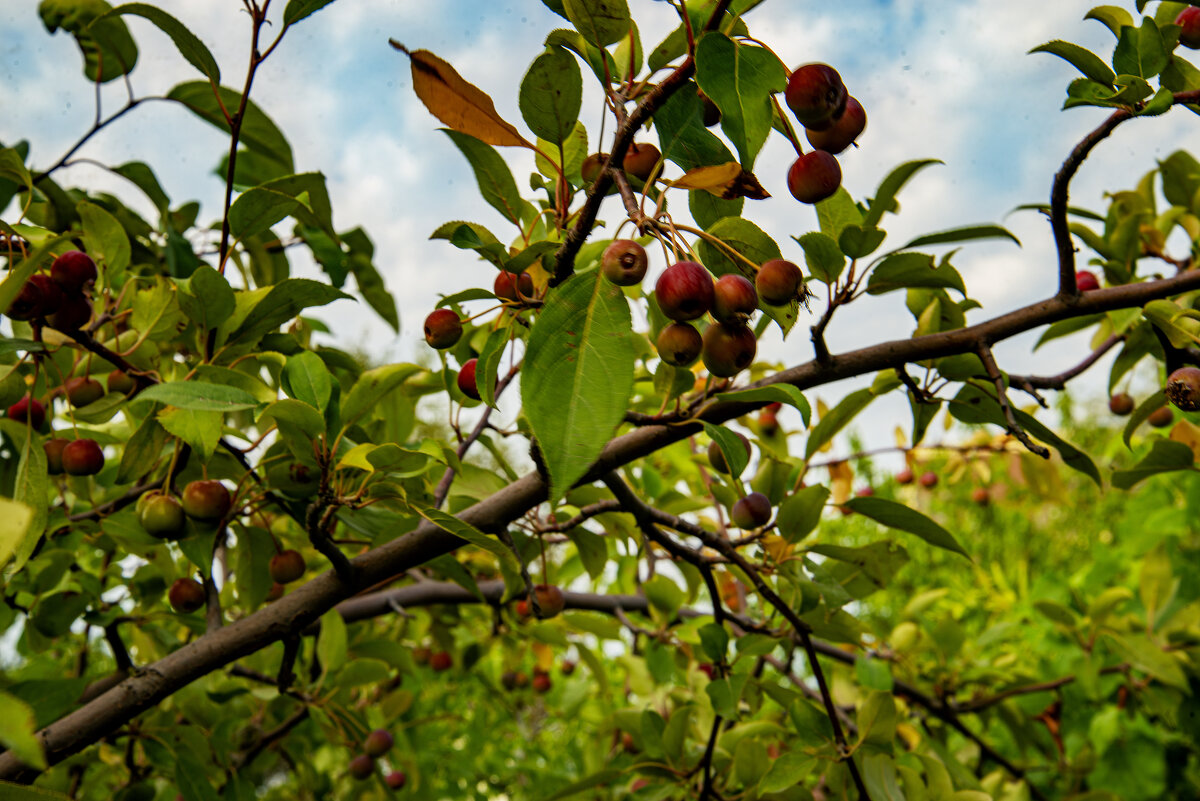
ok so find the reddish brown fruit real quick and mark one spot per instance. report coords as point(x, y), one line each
point(929, 479)
point(74, 313)
point(768, 423)
point(395, 780)
point(523, 608)
point(844, 130)
point(82, 457)
point(980, 496)
point(161, 516)
point(186, 595)
point(1086, 281)
point(466, 379)
point(541, 682)
point(778, 282)
point(1161, 418)
point(684, 291)
point(206, 500)
point(507, 285)
point(641, 159)
point(816, 95)
point(624, 262)
point(707, 669)
point(73, 270)
point(711, 114)
point(286, 567)
point(568, 667)
point(814, 177)
point(27, 304)
point(120, 381)
point(52, 294)
point(864, 492)
point(716, 456)
point(734, 298)
point(1189, 21)
point(728, 349)
point(421, 655)
point(508, 680)
point(54, 449)
point(752, 511)
point(275, 593)
point(378, 743)
point(905, 476)
point(1121, 404)
point(1183, 389)
point(28, 411)
point(550, 599)
point(679, 344)
point(362, 766)
point(592, 165)
point(443, 329)
point(441, 661)
point(82, 390)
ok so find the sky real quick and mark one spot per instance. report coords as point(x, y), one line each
point(948, 80)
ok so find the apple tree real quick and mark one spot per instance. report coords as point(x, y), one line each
point(632, 561)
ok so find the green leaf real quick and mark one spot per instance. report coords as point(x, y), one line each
point(787, 771)
point(906, 270)
point(898, 516)
point(741, 79)
point(964, 234)
point(551, 94)
point(836, 419)
point(307, 379)
point(876, 719)
point(510, 568)
point(206, 297)
point(156, 311)
point(257, 210)
point(750, 761)
point(299, 9)
point(736, 457)
point(252, 577)
point(578, 375)
point(714, 639)
point(18, 734)
point(331, 642)
point(824, 258)
point(598, 779)
point(858, 242)
point(189, 46)
point(1140, 51)
point(800, 513)
point(372, 386)
point(1165, 456)
point(602, 22)
point(191, 777)
point(885, 196)
point(879, 776)
point(1113, 17)
point(664, 594)
point(281, 304)
point(772, 393)
point(489, 364)
point(198, 396)
point(32, 486)
point(1146, 655)
point(108, 50)
point(1084, 60)
point(873, 674)
point(258, 132)
point(106, 242)
point(15, 521)
point(495, 179)
point(200, 429)
point(141, 450)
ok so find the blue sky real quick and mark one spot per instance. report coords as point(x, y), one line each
point(945, 80)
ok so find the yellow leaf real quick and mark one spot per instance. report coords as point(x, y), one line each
point(543, 656)
point(15, 518)
point(709, 178)
point(1183, 431)
point(461, 105)
point(841, 482)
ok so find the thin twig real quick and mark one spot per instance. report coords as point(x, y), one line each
point(1014, 427)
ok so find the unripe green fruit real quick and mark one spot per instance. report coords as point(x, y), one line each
point(82, 457)
point(550, 599)
point(28, 411)
point(679, 344)
point(1189, 21)
point(728, 349)
point(624, 262)
point(186, 595)
point(684, 291)
point(378, 743)
point(1121, 404)
point(752, 511)
point(73, 270)
point(716, 456)
point(734, 298)
point(641, 159)
point(466, 379)
point(844, 130)
point(286, 567)
point(814, 177)
point(120, 381)
point(206, 500)
point(779, 282)
point(54, 450)
point(362, 766)
point(816, 95)
point(507, 286)
point(443, 329)
point(1161, 418)
point(83, 390)
point(162, 516)
point(1183, 389)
